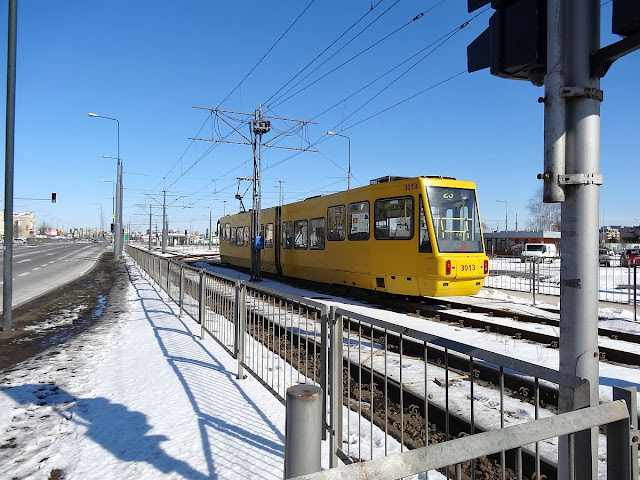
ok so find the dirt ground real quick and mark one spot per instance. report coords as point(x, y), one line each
point(65, 312)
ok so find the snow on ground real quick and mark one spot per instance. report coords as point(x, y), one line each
point(141, 396)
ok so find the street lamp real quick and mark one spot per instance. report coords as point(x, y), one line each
point(117, 245)
point(329, 132)
point(506, 214)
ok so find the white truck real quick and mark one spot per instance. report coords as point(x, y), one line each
point(539, 252)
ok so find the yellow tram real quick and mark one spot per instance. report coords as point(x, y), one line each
point(410, 236)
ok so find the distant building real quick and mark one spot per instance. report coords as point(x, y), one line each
point(512, 243)
point(24, 224)
point(610, 234)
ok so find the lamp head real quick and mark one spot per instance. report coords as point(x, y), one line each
point(329, 132)
point(93, 115)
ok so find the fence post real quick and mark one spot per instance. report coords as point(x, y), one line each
point(303, 425)
point(629, 395)
point(635, 291)
point(181, 289)
point(240, 321)
point(534, 279)
point(169, 279)
point(585, 466)
point(335, 385)
point(324, 365)
point(202, 302)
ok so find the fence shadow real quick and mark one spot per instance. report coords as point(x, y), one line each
point(199, 372)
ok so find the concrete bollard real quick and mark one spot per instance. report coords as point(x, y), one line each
point(303, 430)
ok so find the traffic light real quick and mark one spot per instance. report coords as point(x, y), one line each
point(53, 197)
point(515, 44)
point(112, 228)
point(626, 17)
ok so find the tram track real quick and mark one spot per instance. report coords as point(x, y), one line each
point(389, 404)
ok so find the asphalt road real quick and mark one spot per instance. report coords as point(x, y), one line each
point(39, 269)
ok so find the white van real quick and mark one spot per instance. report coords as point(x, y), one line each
point(540, 252)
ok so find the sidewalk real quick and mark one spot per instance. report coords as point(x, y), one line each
point(139, 396)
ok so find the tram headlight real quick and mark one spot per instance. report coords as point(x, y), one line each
point(448, 267)
point(486, 267)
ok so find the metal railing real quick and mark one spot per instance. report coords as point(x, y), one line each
point(616, 284)
point(388, 387)
point(614, 416)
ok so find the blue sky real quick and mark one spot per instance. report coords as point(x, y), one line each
point(148, 62)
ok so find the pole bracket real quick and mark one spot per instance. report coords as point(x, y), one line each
point(588, 92)
point(581, 179)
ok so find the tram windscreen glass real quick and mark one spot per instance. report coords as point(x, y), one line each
point(456, 224)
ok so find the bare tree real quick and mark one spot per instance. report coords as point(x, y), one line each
point(543, 216)
point(44, 227)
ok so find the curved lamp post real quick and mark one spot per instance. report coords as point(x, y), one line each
point(117, 245)
point(348, 171)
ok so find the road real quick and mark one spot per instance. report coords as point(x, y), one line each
point(39, 269)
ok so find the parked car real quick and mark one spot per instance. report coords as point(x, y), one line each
point(605, 257)
point(630, 257)
point(539, 252)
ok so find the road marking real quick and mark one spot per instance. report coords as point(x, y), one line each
point(34, 269)
point(44, 265)
point(52, 262)
point(24, 274)
point(25, 260)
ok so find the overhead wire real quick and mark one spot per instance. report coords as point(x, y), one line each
point(222, 102)
point(280, 101)
point(267, 53)
point(442, 39)
point(323, 51)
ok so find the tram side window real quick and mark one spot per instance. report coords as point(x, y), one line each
point(425, 242)
point(358, 221)
point(246, 236)
point(227, 231)
point(393, 218)
point(287, 235)
point(335, 223)
point(239, 236)
point(301, 228)
point(268, 237)
point(232, 235)
point(317, 234)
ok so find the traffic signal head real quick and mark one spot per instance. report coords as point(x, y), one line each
point(515, 44)
point(53, 197)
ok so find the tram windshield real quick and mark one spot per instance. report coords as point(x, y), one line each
point(456, 224)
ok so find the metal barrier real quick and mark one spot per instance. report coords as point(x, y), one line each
point(388, 387)
point(617, 284)
point(456, 452)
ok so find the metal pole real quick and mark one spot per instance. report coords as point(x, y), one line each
point(165, 234)
point(349, 170)
point(150, 207)
point(579, 270)
point(534, 280)
point(303, 430)
point(241, 322)
point(7, 271)
point(117, 253)
point(635, 292)
point(210, 232)
point(202, 303)
point(335, 385)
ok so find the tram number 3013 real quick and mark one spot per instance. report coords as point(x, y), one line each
point(467, 268)
point(410, 186)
